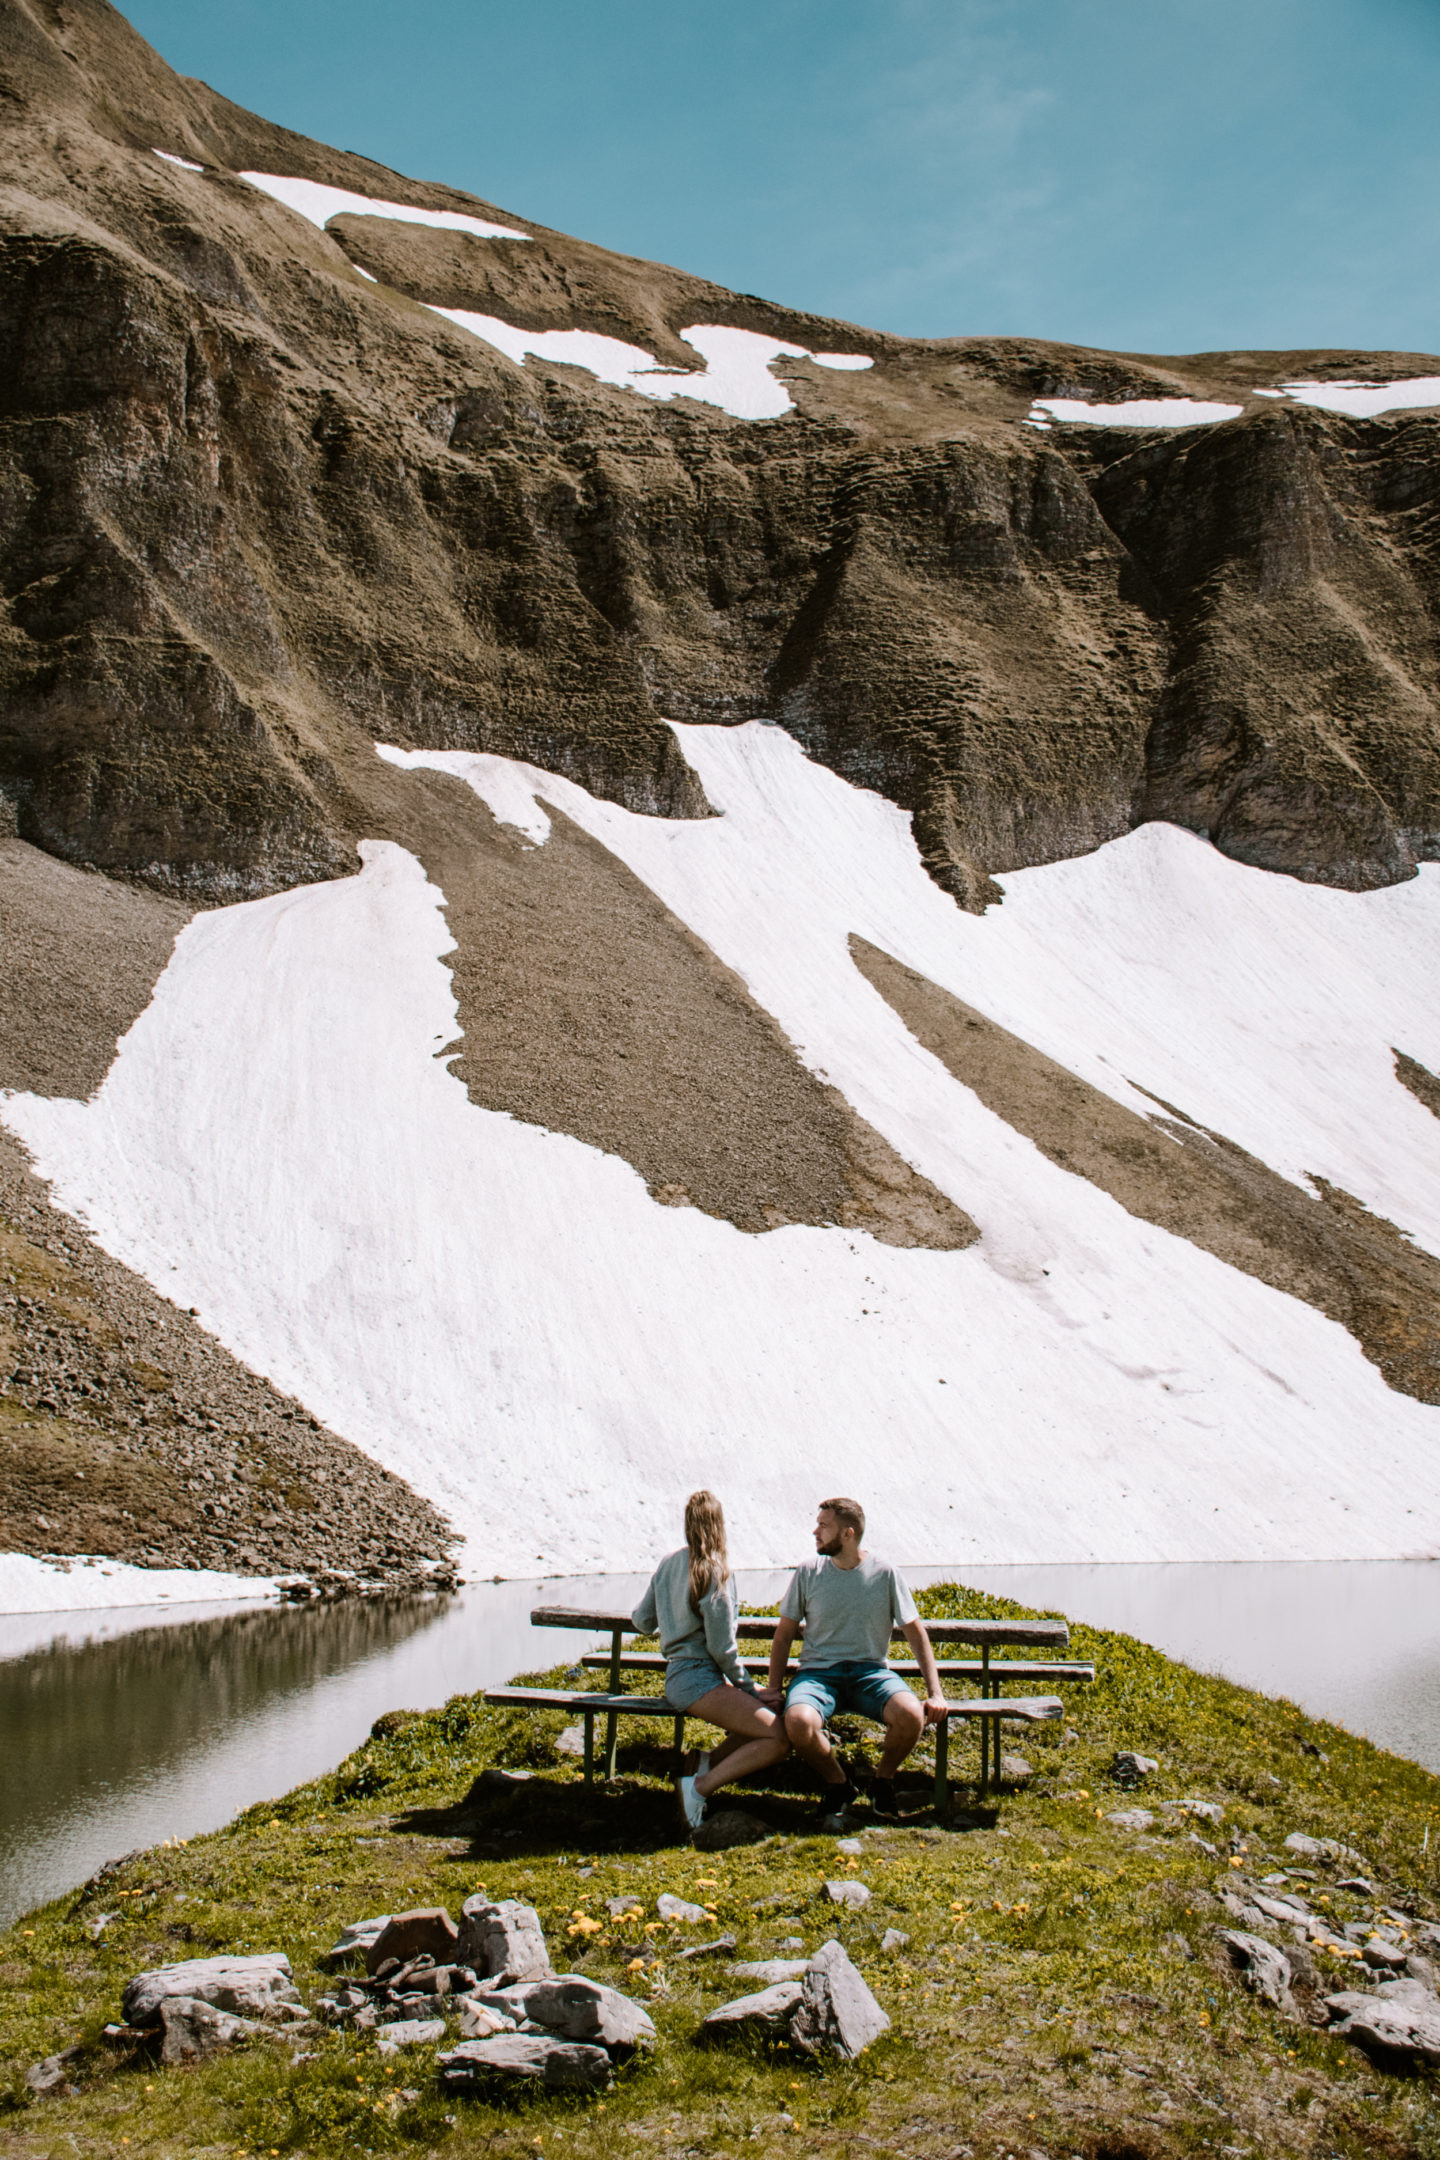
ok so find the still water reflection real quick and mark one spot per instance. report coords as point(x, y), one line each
point(121, 1729)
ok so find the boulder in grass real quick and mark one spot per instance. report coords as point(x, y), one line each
point(1264, 1969)
point(44, 2080)
point(837, 2014)
point(671, 1907)
point(1397, 2025)
point(770, 1971)
point(502, 1940)
point(1322, 1848)
point(580, 2009)
point(191, 2028)
point(527, 2055)
point(255, 1987)
point(427, 1932)
point(1132, 1818)
point(478, 2020)
point(1129, 1768)
point(767, 2012)
point(847, 1892)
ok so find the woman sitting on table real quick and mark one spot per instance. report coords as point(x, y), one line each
point(692, 1605)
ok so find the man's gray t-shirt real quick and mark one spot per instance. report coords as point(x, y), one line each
point(849, 1613)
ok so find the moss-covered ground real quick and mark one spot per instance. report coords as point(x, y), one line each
point(1062, 1990)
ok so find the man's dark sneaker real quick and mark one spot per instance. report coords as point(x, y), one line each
point(835, 1803)
point(883, 1804)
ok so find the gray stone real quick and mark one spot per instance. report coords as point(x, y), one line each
point(1263, 1968)
point(478, 2020)
point(847, 1892)
point(1129, 1768)
point(1293, 1911)
point(192, 2028)
point(849, 1845)
point(571, 1741)
point(358, 1936)
point(45, 2079)
point(617, 1907)
point(1421, 1969)
point(670, 1907)
point(1208, 1810)
point(408, 2033)
point(526, 2055)
point(1384, 1956)
point(770, 1971)
point(427, 1932)
point(1015, 1770)
point(1132, 1818)
point(768, 2011)
point(580, 2009)
point(892, 1939)
point(1359, 1885)
point(1323, 1848)
point(837, 2013)
point(1399, 2021)
point(502, 1940)
point(259, 1987)
point(730, 1826)
point(718, 1948)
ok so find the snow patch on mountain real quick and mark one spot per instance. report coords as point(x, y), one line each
point(1133, 412)
point(1362, 400)
point(736, 376)
point(505, 1317)
point(319, 203)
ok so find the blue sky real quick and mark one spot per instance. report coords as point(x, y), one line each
point(1148, 175)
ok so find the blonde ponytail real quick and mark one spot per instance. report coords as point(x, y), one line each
point(705, 1536)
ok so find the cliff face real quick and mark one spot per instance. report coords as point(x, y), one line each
point(257, 511)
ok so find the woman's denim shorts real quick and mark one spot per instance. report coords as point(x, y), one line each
point(690, 1678)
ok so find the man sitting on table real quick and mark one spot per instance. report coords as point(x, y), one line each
point(851, 1604)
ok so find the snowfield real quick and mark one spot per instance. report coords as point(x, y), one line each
point(505, 1317)
point(94, 1584)
point(312, 199)
point(1174, 412)
point(736, 376)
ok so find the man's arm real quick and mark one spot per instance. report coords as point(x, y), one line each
point(785, 1634)
point(919, 1642)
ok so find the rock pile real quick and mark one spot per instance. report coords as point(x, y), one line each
point(825, 2008)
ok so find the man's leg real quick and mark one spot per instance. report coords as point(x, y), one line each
point(904, 1723)
point(805, 1729)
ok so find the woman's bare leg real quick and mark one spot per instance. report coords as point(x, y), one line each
point(756, 1737)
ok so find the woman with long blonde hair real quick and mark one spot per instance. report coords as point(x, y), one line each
point(691, 1604)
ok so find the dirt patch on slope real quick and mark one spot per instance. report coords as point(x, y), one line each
point(1329, 1250)
point(589, 1008)
point(126, 1430)
point(1422, 1083)
point(79, 958)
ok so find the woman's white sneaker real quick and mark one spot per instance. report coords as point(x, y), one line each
point(692, 1803)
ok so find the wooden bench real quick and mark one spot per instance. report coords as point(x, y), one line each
point(987, 1711)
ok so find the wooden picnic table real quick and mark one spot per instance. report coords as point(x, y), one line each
point(986, 1635)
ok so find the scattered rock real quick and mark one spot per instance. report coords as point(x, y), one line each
point(768, 2011)
point(192, 2028)
point(1263, 1968)
point(478, 2020)
point(617, 1907)
point(849, 1845)
point(257, 1987)
point(678, 1908)
point(1358, 1885)
point(731, 1826)
point(837, 2013)
point(1383, 1956)
point(1135, 1818)
point(571, 1741)
point(44, 2080)
point(526, 2055)
point(1128, 1768)
point(580, 2009)
point(892, 1939)
point(503, 1941)
point(1015, 1770)
point(847, 1892)
point(408, 2033)
point(358, 1936)
point(1207, 1810)
point(1399, 2021)
point(721, 1944)
point(429, 1931)
point(770, 1971)
point(792, 1942)
point(1322, 1849)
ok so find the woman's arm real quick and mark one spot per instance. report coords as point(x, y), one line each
point(645, 1617)
point(718, 1613)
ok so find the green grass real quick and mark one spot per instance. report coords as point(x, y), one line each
point(1043, 2005)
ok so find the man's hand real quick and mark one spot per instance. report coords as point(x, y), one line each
point(935, 1708)
point(771, 1697)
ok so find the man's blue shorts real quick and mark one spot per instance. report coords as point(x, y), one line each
point(862, 1689)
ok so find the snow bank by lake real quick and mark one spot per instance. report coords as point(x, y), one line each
point(91, 1584)
point(505, 1317)
point(737, 375)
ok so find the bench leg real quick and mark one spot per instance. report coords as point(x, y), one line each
point(985, 1723)
point(612, 1722)
point(942, 1769)
point(589, 1717)
point(679, 1745)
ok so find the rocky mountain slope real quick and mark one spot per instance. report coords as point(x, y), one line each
point(299, 457)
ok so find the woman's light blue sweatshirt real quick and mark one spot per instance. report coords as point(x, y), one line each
point(688, 1637)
